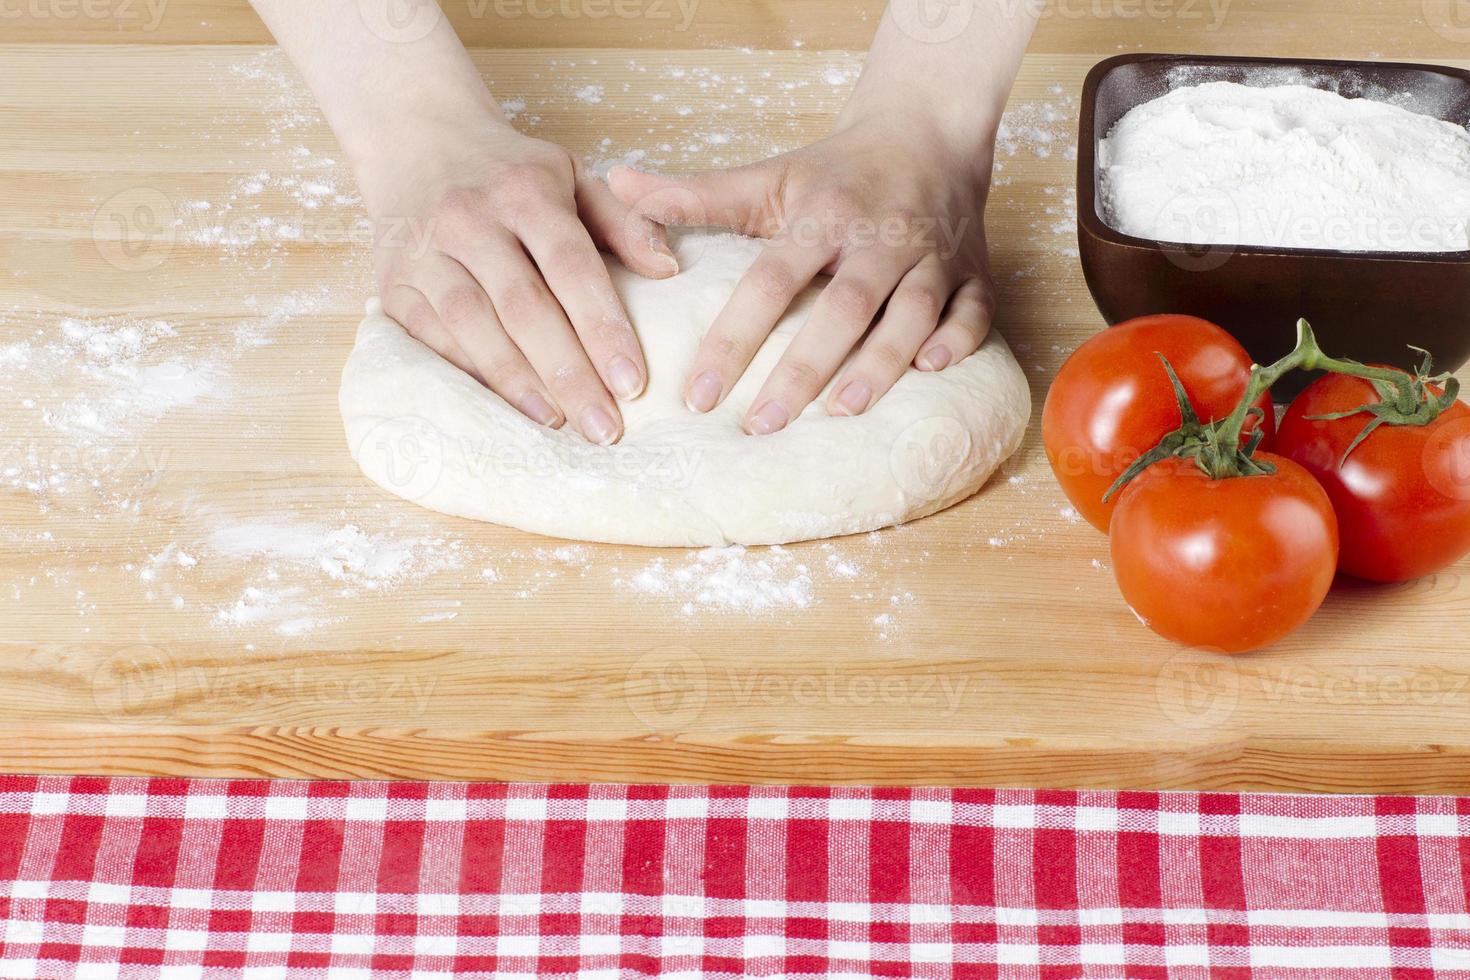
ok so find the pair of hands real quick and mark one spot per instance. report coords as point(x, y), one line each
point(488, 253)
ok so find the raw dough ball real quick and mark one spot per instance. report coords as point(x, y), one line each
point(427, 432)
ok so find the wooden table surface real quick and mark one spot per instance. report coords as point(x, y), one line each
point(194, 578)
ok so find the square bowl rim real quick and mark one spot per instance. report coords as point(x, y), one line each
point(1090, 222)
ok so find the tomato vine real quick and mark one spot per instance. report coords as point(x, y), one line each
point(1405, 398)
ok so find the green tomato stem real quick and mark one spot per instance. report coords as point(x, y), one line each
point(1307, 356)
point(1215, 447)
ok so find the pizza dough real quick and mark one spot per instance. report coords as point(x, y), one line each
point(429, 433)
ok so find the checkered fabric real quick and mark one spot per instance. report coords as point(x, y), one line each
point(177, 878)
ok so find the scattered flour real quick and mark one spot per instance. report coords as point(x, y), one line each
point(777, 580)
point(127, 371)
point(1040, 129)
point(733, 579)
point(289, 610)
point(85, 391)
point(299, 575)
point(270, 211)
point(345, 554)
point(1043, 131)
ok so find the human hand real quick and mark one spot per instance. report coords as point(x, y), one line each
point(487, 251)
point(886, 206)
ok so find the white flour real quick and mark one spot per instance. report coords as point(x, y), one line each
point(347, 554)
point(731, 578)
point(1286, 165)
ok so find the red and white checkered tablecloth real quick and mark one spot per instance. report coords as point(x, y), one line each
point(177, 878)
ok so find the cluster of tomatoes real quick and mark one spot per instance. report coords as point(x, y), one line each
point(1234, 563)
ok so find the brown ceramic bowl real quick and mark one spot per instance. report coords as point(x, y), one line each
point(1365, 305)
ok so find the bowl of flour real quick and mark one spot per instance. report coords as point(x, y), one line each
point(1252, 191)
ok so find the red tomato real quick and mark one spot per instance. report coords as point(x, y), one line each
point(1230, 565)
point(1112, 402)
point(1403, 496)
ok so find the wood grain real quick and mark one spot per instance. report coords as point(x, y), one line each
point(1007, 657)
point(1405, 29)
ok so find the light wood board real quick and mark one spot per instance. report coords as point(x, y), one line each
point(986, 645)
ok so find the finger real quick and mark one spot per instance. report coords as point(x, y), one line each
point(570, 265)
point(779, 273)
point(841, 316)
point(910, 319)
point(963, 327)
point(636, 240)
point(468, 316)
point(413, 310)
point(739, 199)
point(536, 323)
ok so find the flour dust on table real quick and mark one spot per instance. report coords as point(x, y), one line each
point(427, 432)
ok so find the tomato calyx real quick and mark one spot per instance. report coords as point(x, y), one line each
point(1202, 442)
point(1215, 447)
point(1408, 402)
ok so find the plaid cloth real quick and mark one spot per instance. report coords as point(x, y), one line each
point(178, 878)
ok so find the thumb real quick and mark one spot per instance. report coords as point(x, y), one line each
point(630, 236)
point(739, 199)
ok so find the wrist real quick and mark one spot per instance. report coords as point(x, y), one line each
point(962, 145)
point(402, 148)
point(952, 85)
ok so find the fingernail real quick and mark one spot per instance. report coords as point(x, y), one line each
point(598, 426)
point(704, 392)
point(854, 397)
point(936, 358)
point(665, 255)
point(538, 409)
point(626, 379)
point(771, 418)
